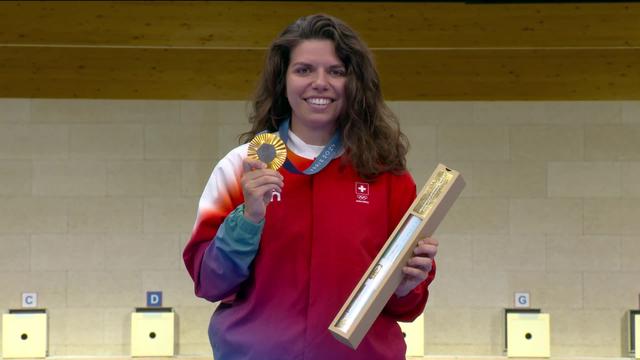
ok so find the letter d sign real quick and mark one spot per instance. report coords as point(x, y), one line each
point(154, 298)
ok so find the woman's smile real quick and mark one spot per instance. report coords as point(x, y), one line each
point(316, 81)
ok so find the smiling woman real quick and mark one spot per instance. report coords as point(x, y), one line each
point(316, 81)
point(284, 264)
point(320, 59)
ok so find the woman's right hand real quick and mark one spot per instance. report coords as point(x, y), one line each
point(258, 183)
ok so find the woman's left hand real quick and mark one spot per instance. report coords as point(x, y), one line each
point(418, 266)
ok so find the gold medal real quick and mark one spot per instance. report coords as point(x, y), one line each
point(269, 149)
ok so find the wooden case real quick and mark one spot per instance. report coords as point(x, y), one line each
point(385, 272)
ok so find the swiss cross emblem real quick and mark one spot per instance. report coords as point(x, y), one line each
point(362, 193)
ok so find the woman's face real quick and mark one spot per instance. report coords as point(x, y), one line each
point(316, 81)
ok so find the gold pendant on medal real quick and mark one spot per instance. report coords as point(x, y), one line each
point(269, 149)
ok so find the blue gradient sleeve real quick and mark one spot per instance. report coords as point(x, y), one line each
point(227, 260)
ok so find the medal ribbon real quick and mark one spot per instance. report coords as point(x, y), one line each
point(328, 153)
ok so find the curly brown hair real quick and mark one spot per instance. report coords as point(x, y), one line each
point(371, 133)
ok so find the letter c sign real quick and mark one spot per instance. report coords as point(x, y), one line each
point(29, 300)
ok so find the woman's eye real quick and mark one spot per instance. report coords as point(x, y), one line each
point(338, 72)
point(302, 70)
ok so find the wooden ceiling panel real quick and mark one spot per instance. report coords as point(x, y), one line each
point(214, 49)
point(129, 73)
point(406, 75)
point(240, 24)
point(567, 74)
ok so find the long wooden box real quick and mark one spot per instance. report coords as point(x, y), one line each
point(385, 272)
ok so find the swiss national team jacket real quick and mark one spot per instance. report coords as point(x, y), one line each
point(283, 281)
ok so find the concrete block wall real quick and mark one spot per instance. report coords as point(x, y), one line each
point(98, 197)
point(551, 207)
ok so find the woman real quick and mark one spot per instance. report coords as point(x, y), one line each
point(282, 250)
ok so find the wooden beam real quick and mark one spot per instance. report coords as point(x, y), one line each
point(562, 74)
point(568, 74)
point(249, 24)
point(214, 50)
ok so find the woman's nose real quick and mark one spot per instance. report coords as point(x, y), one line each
point(320, 82)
